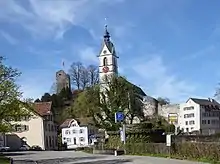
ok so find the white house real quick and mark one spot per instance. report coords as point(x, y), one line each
point(38, 130)
point(78, 132)
point(200, 115)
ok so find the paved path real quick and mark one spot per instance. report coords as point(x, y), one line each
point(72, 157)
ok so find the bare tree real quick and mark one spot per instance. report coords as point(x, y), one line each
point(93, 73)
point(53, 88)
point(163, 101)
point(82, 76)
point(75, 73)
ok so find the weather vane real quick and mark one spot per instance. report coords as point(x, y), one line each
point(106, 23)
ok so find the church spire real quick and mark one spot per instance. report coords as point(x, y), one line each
point(106, 34)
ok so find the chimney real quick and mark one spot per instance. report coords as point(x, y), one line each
point(210, 99)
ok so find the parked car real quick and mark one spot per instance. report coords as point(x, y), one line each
point(4, 148)
point(36, 148)
point(24, 148)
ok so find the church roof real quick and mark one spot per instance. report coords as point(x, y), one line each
point(107, 42)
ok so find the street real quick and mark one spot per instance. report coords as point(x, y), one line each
point(72, 157)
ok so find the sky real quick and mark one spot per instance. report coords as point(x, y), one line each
point(168, 48)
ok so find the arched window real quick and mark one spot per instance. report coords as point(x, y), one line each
point(105, 61)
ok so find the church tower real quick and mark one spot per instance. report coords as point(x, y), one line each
point(108, 65)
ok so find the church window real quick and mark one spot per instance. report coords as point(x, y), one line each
point(105, 62)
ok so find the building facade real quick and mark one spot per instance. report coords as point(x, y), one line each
point(62, 81)
point(200, 115)
point(38, 130)
point(76, 134)
point(108, 64)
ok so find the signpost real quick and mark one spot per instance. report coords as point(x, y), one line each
point(169, 142)
point(119, 117)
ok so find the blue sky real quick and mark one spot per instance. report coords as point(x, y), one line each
point(169, 48)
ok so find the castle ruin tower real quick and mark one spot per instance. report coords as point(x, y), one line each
point(108, 65)
point(62, 81)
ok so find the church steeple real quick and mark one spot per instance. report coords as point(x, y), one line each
point(106, 34)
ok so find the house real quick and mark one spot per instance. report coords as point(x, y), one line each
point(78, 132)
point(39, 130)
point(200, 115)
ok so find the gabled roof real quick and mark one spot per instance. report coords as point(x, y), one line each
point(205, 101)
point(81, 121)
point(43, 108)
point(67, 122)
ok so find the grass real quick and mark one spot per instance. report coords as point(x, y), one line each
point(211, 161)
point(4, 160)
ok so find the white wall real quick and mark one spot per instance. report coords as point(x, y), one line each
point(191, 112)
point(73, 135)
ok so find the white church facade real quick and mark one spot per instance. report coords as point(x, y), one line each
point(108, 65)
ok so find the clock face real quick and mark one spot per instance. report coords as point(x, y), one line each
point(105, 69)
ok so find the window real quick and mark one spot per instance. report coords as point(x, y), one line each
point(186, 122)
point(192, 122)
point(81, 131)
point(47, 142)
point(52, 128)
point(208, 121)
point(50, 141)
point(26, 127)
point(203, 121)
point(68, 140)
point(189, 115)
point(81, 139)
point(48, 127)
point(105, 61)
point(67, 132)
point(74, 131)
point(74, 141)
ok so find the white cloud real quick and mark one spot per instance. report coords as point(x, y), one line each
point(156, 75)
point(48, 17)
point(9, 38)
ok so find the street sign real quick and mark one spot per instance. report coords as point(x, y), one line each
point(119, 116)
point(168, 140)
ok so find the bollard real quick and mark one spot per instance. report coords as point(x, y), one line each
point(11, 161)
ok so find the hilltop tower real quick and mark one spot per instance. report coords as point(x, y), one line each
point(62, 81)
point(108, 65)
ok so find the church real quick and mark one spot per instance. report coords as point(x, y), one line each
point(108, 66)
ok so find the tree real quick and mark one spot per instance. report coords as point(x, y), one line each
point(93, 73)
point(46, 97)
point(217, 92)
point(75, 72)
point(82, 76)
point(163, 101)
point(11, 108)
point(118, 95)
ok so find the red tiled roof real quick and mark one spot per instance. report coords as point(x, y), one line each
point(43, 108)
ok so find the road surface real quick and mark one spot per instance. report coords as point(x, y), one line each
point(72, 157)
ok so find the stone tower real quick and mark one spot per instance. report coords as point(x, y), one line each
point(62, 80)
point(108, 64)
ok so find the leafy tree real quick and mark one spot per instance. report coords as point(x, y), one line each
point(11, 108)
point(117, 95)
point(163, 101)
